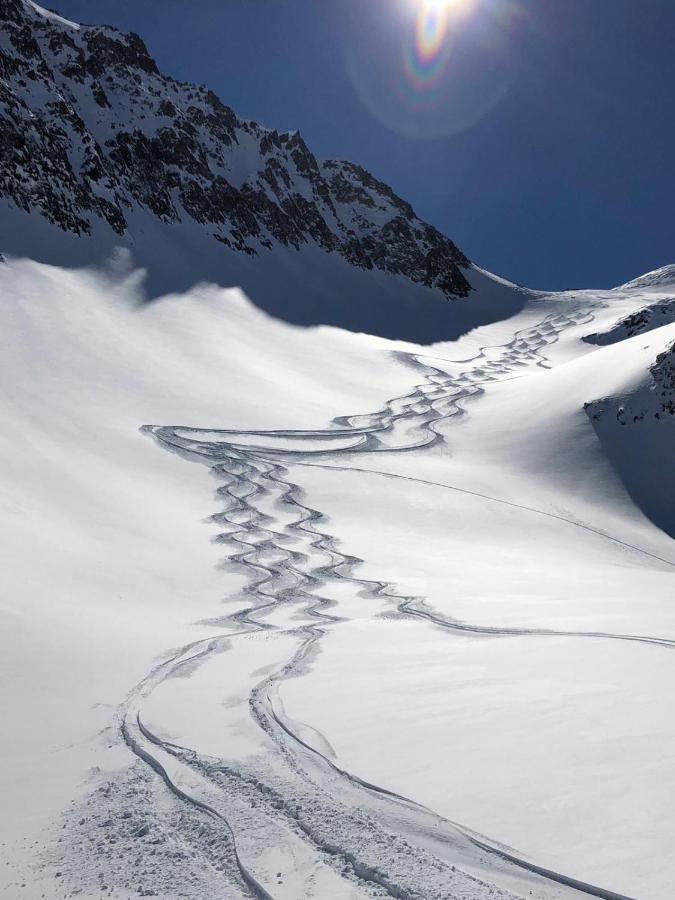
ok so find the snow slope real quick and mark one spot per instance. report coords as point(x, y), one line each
point(455, 599)
point(106, 560)
point(334, 566)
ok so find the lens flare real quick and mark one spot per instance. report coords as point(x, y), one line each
point(431, 30)
point(427, 55)
point(439, 68)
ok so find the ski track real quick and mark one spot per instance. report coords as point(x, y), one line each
point(341, 836)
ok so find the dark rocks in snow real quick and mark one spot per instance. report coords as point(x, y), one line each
point(643, 320)
point(655, 404)
point(663, 373)
point(166, 108)
point(107, 50)
point(99, 94)
point(12, 10)
point(91, 130)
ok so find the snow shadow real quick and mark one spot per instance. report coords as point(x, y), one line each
point(306, 287)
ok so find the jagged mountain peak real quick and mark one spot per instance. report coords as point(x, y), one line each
point(50, 14)
point(92, 133)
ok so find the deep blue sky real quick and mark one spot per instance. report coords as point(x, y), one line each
point(566, 179)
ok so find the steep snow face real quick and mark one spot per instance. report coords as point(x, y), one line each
point(635, 423)
point(92, 132)
point(633, 411)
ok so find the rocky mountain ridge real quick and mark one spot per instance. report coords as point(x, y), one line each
point(91, 132)
point(643, 320)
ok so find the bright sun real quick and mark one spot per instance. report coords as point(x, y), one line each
point(440, 7)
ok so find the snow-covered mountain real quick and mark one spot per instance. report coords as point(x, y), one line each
point(393, 617)
point(93, 132)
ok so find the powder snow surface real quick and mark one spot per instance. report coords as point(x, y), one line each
point(463, 596)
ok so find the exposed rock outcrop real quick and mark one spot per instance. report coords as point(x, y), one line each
point(91, 130)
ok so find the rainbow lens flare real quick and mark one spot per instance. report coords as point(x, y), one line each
point(439, 68)
point(426, 57)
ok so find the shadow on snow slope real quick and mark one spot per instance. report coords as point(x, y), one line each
point(307, 287)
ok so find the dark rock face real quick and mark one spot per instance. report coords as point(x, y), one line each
point(91, 130)
point(663, 373)
point(643, 320)
point(658, 403)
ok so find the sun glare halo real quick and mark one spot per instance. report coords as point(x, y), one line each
point(440, 7)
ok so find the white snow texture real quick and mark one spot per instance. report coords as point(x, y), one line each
point(298, 611)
